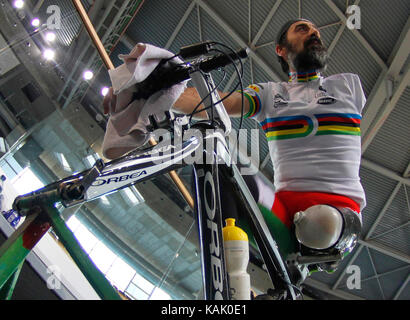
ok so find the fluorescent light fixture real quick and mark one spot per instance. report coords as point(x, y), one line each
point(35, 22)
point(88, 75)
point(18, 4)
point(48, 54)
point(104, 91)
point(50, 36)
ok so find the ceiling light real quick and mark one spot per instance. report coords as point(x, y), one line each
point(18, 4)
point(50, 36)
point(88, 75)
point(104, 91)
point(35, 22)
point(48, 54)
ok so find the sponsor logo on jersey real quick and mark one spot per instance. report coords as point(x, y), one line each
point(326, 100)
point(279, 101)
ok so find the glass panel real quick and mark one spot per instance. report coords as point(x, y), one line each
point(73, 223)
point(159, 294)
point(87, 240)
point(120, 274)
point(136, 292)
point(26, 181)
point(51, 117)
point(142, 283)
point(102, 257)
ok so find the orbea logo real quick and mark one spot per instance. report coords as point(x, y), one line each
point(354, 17)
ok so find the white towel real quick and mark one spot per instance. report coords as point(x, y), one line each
point(126, 127)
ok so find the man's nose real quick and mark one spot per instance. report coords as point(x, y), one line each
point(314, 31)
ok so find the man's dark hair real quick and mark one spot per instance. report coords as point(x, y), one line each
point(282, 40)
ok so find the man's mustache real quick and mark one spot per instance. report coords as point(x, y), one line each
point(312, 39)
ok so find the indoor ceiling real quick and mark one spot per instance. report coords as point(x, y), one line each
point(52, 121)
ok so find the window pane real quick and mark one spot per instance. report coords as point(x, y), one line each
point(160, 294)
point(73, 223)
point(85, 238)
point(143, 283)
point(26, 181)
point(120, 274)
point(102, 257)
point(136, 292)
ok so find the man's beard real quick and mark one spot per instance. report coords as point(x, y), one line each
point(312, 57)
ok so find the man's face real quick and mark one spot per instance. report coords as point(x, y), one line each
point(304, 50)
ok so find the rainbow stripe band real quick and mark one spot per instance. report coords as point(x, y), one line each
point(304, 76)
point(254, 105)
point(287, 127)
point(338, 123)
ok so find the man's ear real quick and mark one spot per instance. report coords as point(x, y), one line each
point(281, 51)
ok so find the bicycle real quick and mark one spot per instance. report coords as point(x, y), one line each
point(148, 162)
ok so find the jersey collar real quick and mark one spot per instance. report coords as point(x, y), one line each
point(295, 77)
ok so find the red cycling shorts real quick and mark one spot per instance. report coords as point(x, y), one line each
point(287, 203)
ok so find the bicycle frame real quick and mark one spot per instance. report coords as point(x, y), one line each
point(145, 164)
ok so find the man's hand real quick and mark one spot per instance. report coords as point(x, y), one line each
point(109, 102)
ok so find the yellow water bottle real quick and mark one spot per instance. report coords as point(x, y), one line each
point(236, 247)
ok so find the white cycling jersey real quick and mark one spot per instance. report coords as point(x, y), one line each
point(313, 132)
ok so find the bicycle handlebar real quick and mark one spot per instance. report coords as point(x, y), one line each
point(169, 73)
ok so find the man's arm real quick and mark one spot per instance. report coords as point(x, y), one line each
point(190, 99)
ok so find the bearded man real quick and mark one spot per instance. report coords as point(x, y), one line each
point(312, 125)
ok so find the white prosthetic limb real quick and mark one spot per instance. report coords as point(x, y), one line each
point(318, 227)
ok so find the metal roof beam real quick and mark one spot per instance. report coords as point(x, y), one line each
point(352, 260)
point(377, 221)
point(357, 34)
point(370, 133)
point(383, 211)
point(180, 25)
point(335, 292)
point(266, 22)
point(375, 246)
point(400, 290)
point(222, 23)
point(381, 92)
point(386, 250)
point(376, 274)
point(384, 171)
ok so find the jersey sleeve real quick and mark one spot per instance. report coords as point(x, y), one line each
point(357, 91)
point(255, 95)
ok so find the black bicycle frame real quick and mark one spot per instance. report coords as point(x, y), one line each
point(215, 164)
point(210, 222)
